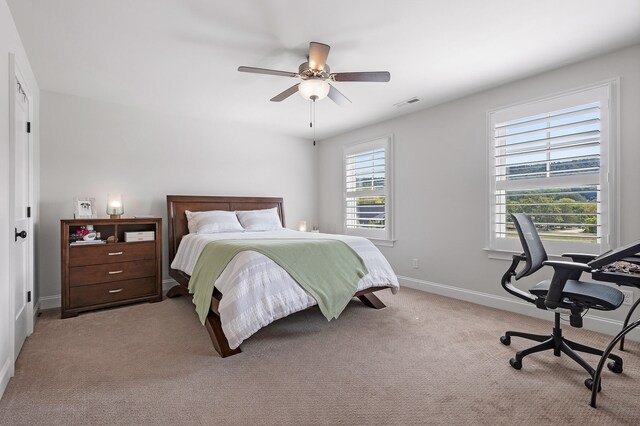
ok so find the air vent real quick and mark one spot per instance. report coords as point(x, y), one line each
point(407, 102)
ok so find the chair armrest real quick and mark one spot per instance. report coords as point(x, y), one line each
point(580, 257)
point(511, 272)
point(563, 271)
point(572, 266)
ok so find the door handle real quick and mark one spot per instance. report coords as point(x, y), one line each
point(115, 272)
point(22, 234)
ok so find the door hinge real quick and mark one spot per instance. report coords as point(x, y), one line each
point(28, 296)
point(28, 211)
point(28, 127)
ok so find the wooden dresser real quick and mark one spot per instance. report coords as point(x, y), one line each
point(111, 274)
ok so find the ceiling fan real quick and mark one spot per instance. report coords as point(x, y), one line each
point(315, 75)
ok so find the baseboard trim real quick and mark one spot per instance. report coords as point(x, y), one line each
point(5, 375)
point(55, 301)
point(49, 302)
point(591, 322)
point(36, 311)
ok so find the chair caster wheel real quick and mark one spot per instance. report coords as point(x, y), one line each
point(614, 367)
point(505, 340)
point(515, 363)
point(589, 384)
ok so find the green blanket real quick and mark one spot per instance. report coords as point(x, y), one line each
point(328, 269)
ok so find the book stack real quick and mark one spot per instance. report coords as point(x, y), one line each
point(139, 236)
point(87, 242)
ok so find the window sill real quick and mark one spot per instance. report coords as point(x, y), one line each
point(382, 243)
point(498, 254)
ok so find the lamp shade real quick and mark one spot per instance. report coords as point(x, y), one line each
point(115, 207)
point(314, 89)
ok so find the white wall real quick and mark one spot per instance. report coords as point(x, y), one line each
point(441, 179)
point(93, 148)
point(10, 43)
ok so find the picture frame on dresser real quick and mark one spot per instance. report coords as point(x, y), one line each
point(84, 208)
point(112, 274)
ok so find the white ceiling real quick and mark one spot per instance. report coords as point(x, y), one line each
point(181, 56)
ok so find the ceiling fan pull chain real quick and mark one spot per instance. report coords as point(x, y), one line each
point(313, 107)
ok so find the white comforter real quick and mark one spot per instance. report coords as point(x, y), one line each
point(257, 291)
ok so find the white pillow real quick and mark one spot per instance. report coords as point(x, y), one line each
point(212, 221)
point(260, 220)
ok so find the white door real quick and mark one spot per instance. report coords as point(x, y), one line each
point(23, 306)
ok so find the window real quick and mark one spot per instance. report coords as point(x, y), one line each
point(368, 189)
point(552, 160)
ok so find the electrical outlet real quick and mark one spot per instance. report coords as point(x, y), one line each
point(415, 264)
point(628, 297)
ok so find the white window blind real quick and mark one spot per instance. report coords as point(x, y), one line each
point(367, 189)
point(550, 160)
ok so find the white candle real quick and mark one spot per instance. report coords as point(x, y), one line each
point(302, 226)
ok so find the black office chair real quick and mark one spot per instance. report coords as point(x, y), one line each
point(564, 292)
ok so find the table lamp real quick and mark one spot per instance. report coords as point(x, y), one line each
point(115, 208)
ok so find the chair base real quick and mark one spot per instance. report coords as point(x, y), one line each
point(559, 345)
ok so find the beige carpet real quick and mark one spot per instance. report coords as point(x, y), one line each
point(424, 360)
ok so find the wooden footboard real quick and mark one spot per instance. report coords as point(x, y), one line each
point(371, 300)
point(212, 323)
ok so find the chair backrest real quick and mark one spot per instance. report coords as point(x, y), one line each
point(531, 244)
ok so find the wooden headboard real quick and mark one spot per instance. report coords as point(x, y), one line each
point(177, 204)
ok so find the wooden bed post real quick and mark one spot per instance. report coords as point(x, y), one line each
point(371, 300)
point(177, 290)
point(214, 327)
point(212, 323)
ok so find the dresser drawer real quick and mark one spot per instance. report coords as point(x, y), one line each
point(94, 274)
point(111, 253)
point(98, 294)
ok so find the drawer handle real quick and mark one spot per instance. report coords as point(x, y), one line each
point(115, 272)
point(115, 253)
point(118, 290)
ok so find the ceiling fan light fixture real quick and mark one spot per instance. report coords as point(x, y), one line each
point(315, 75)
point(315, 89)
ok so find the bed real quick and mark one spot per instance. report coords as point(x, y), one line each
point(250, 304)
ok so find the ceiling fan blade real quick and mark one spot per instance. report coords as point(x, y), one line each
point(267, 71)
point(284, 95)
point(318, 53)
point(376, 76)
point(336, 96)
